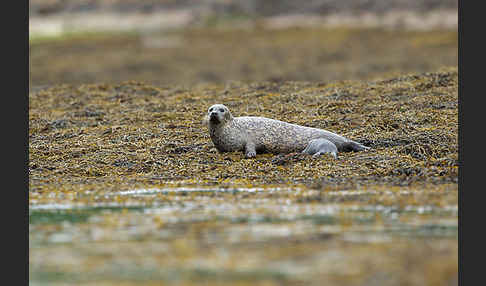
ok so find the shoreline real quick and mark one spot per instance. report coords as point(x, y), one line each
point(68, 23)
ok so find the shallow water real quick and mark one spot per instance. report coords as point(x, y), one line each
point(245, 235)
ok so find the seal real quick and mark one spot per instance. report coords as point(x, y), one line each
point(252, 135)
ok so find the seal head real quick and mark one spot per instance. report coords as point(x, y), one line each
point(219, 114)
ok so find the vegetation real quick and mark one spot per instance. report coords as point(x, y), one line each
point(126, 187)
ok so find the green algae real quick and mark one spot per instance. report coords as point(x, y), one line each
point(71, 215)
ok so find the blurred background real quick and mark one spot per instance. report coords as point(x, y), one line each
point(188, 41)
point(92, 147)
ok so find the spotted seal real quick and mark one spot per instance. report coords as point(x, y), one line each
point(253, 135)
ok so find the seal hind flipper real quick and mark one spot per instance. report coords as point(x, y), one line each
point(353, 146)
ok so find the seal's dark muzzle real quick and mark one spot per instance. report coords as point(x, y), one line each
point(213, 117)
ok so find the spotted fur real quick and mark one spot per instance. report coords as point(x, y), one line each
point(253, 135)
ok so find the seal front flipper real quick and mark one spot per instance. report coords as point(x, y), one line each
point(250, 150)
point(317, 147)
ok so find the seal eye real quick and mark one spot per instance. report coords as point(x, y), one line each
point(211, 109)
point(221, 110)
